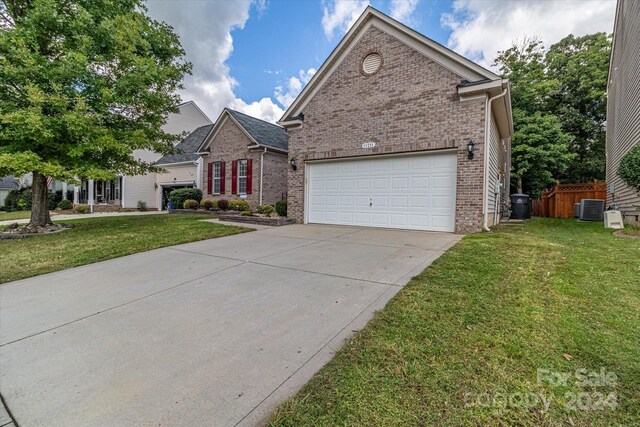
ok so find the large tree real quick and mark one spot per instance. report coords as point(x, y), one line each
point(580, 67)
point(540, 146)
point(83, 83)
point(559, 109)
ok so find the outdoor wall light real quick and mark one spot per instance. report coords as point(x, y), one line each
point(470, 147)
point(294, 164)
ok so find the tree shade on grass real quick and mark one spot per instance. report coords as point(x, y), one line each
point(478, 324)
point(83, 84)
point(98, 239)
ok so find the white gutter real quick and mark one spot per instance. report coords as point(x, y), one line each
point(262, 172)
point(485, 185)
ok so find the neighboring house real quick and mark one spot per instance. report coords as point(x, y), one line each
point(246, 158)
point(623, 105)
point(127, 191)
point(380, 135)
point(7, 184)
point(184, 168)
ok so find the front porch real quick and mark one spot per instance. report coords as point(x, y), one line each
point(101, 195)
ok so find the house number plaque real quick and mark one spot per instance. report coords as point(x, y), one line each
point(368, 145)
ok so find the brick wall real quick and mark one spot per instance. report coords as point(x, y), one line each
point(411, 104)
point(275, 178)
point(231, 144)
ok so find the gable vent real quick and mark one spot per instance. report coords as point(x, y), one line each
point(371, 63)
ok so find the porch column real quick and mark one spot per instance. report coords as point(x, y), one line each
point(64, 191)
point(76, 193)
point(90, 195)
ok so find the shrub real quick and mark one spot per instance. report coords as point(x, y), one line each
point(239, 205)
point(178, 197)
point(281, 207)
point(223, 204)
point(65, 204)
point(82, 209)
point(207, 204)
point(629, 168)
point(20, 200)
point(142, 206)
point(191, 204)
point(245, 213)
point(265, 209)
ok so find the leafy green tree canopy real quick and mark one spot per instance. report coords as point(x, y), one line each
point(559, 109)
point(83, 83)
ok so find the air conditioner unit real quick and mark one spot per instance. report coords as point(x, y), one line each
point(613, 219)
point(591, 210)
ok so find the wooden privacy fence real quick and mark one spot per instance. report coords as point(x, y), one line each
point(558, 203)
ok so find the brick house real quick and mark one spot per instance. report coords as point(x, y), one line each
point(397, 131)
point(244, 157)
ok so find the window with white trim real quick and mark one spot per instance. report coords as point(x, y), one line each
point(242, 176)
point(216, 177)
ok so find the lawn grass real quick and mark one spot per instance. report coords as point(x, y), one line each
point(479, 323)
point(98, 239)
point(7, 216)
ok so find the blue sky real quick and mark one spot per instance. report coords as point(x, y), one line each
point(256, 55)
point(277, 43)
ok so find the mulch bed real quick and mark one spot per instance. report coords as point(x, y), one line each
point(17, 231)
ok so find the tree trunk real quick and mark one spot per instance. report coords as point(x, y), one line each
point(519, 185)
point(39, 204)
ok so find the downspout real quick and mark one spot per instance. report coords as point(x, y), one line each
point(262, 172)
point(485, 183)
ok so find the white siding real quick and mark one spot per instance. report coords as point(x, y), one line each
point(3, 195)
point(180, 174)
point(496, 165)
point(141, 187)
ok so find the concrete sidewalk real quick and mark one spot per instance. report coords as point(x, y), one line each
point(215, 333)
point(63, 217)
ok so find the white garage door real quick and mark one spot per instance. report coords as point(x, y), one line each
point(413, 192)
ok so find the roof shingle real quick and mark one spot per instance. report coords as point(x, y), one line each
point(186, 149)
point(264, 133)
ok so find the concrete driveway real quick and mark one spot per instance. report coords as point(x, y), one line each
point(213, 333)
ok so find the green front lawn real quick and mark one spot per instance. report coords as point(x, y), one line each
point(98, 239)
point(6, 216)
point(463, 342)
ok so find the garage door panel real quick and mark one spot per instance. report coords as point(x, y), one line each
point(419, 182)
point(347, 184)
point(399, 201)
point(399, 183)
point(416, 192)
point(419, 201)
point(362, 201)
point(363, 183)
point(362, 217)
point(380, 201)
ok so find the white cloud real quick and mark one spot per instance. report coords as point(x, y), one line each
point(205, 32)
point(481, 28)
point(341, 15)
point(285, 95)
point(402, 10)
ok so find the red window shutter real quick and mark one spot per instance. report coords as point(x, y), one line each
point(234, 177)
point(222, 177)
point(209, 177)
point(249, 173)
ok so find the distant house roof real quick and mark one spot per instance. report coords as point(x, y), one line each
point(264, 133)
point(9, 183)
point(186, 150)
